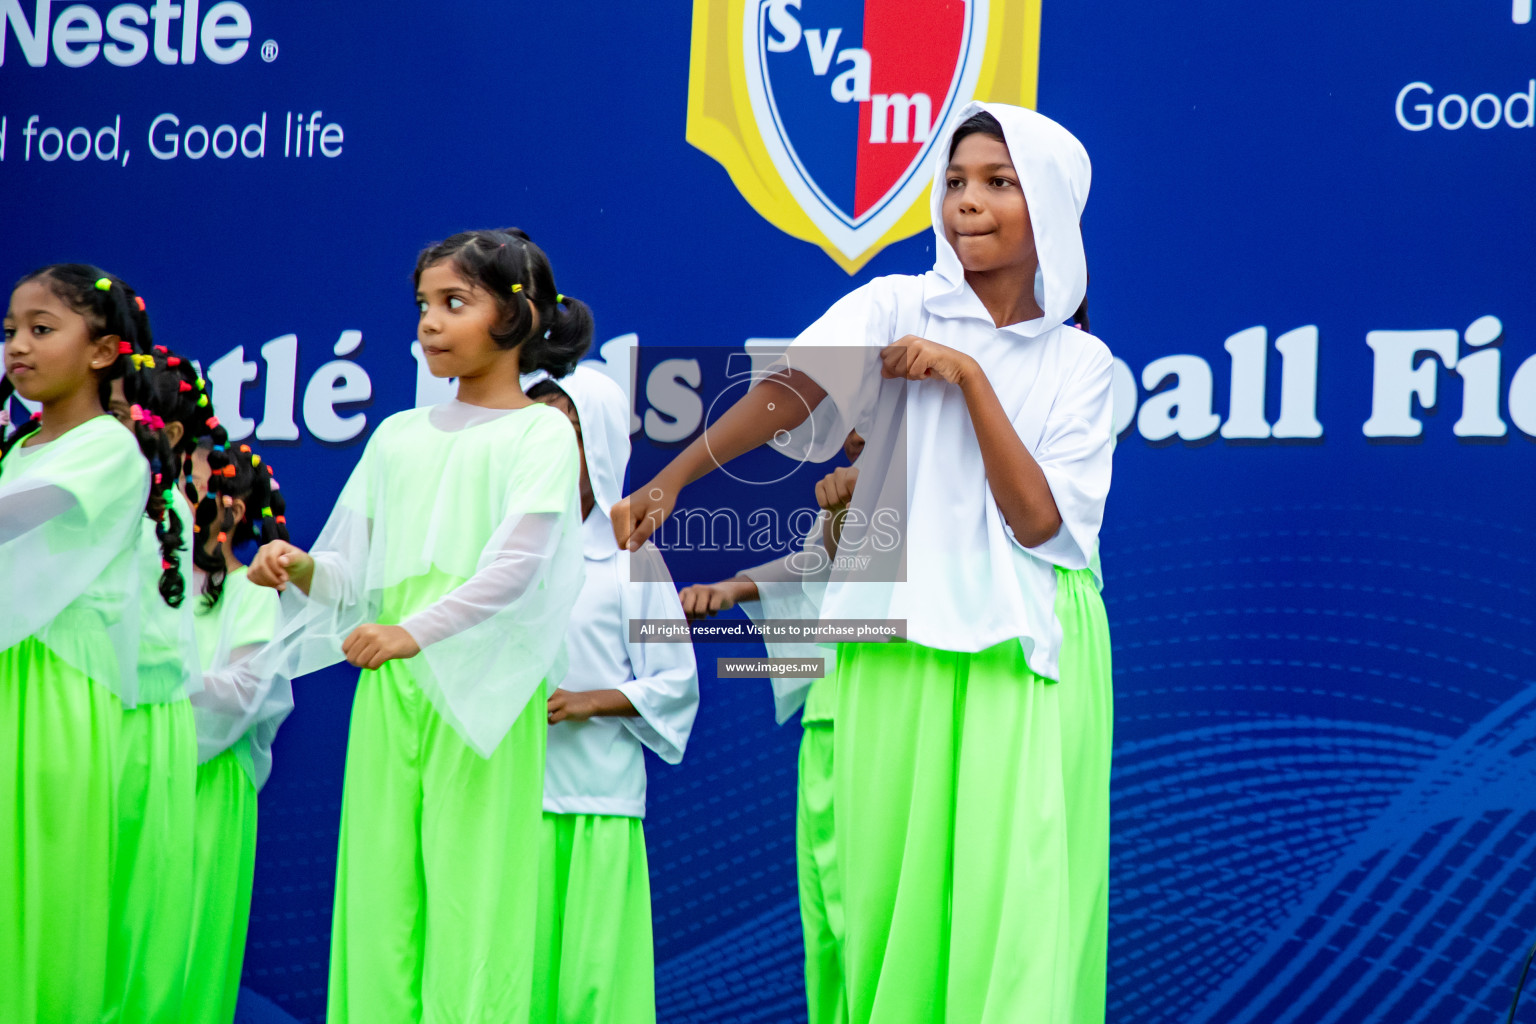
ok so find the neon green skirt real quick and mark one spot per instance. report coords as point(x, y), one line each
point(59, 731)
point(975, 874)
point(594, 962)
point(225, 866)
point(152, 882)
point(437, 874)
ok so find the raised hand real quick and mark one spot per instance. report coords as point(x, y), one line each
point(638, 516)
point(709, 599)
point(920, 359)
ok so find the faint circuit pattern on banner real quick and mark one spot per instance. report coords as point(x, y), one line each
point(1322, 796)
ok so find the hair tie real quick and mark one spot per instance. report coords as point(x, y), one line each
point(161, 349)
point(136, 413)
point(103, 284)
point(183, 387)
point(280, 519)
point(165, 565)
point(173, 361)
point(202, 401)
point(213, 421)
point(228, 470)
point(516, 288)
point(140, 300)
point(559, 300)
point(255, 460)
point(274, 486)
point(223, 536)
point(124, 349)
point(200, 386)
point(153, 421)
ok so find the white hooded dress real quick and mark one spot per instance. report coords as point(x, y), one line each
point(598, 766)
point(961, 581)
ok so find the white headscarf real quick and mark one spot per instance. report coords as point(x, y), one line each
point(1055, 174)
point(603, 410)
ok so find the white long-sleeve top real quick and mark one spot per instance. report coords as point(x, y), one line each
point(598, 766)
point(962, 581)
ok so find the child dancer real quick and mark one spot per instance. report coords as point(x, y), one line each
point(793, 587)
point(447, 572)
point(237, 715)
point(594, 963)
point(975, 756)
point(74, 489)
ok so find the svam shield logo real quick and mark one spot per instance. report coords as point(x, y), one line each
point(826, 113)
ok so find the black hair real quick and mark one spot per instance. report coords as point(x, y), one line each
point(979, 123)
point(554, 330)
point(1080, 318)
point(179, 394)
point(239, 474)
point(546, 388)
point(111, 307)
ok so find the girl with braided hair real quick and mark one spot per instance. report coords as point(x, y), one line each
point(447, 572)
point(237, 713)
point(74, 489)
point(152, 902)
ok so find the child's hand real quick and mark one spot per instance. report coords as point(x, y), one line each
point(706, 599)
point(372, 646)
point(564, 704)
point(835, 490)
point(279, 563)
point(638, 516)
point(920, 359)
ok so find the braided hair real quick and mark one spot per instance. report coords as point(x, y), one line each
point(243, 476)
point(110, 307)
point(180, 395)
point(517, 274)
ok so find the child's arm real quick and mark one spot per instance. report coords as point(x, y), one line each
point(503, 579)
point(1017, 483)
point(710, 599)
point(279, 563)
point(580, 705)
point(778, 402)
point(664, 691)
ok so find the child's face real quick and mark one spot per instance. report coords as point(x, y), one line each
point(200, 471)
point(118, 404)
point(563, 403)
point(455, 324)
point(853, 445)
point(986, 219)
point(49, 351)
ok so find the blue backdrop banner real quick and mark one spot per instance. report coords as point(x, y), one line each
point(1310, 245)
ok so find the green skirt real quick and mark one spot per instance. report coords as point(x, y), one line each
point(821, 899)
point(59, 731)
point(594, 962)
point(974, 846)
point(224, 863)
point(152, 886)
point(437, 874)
